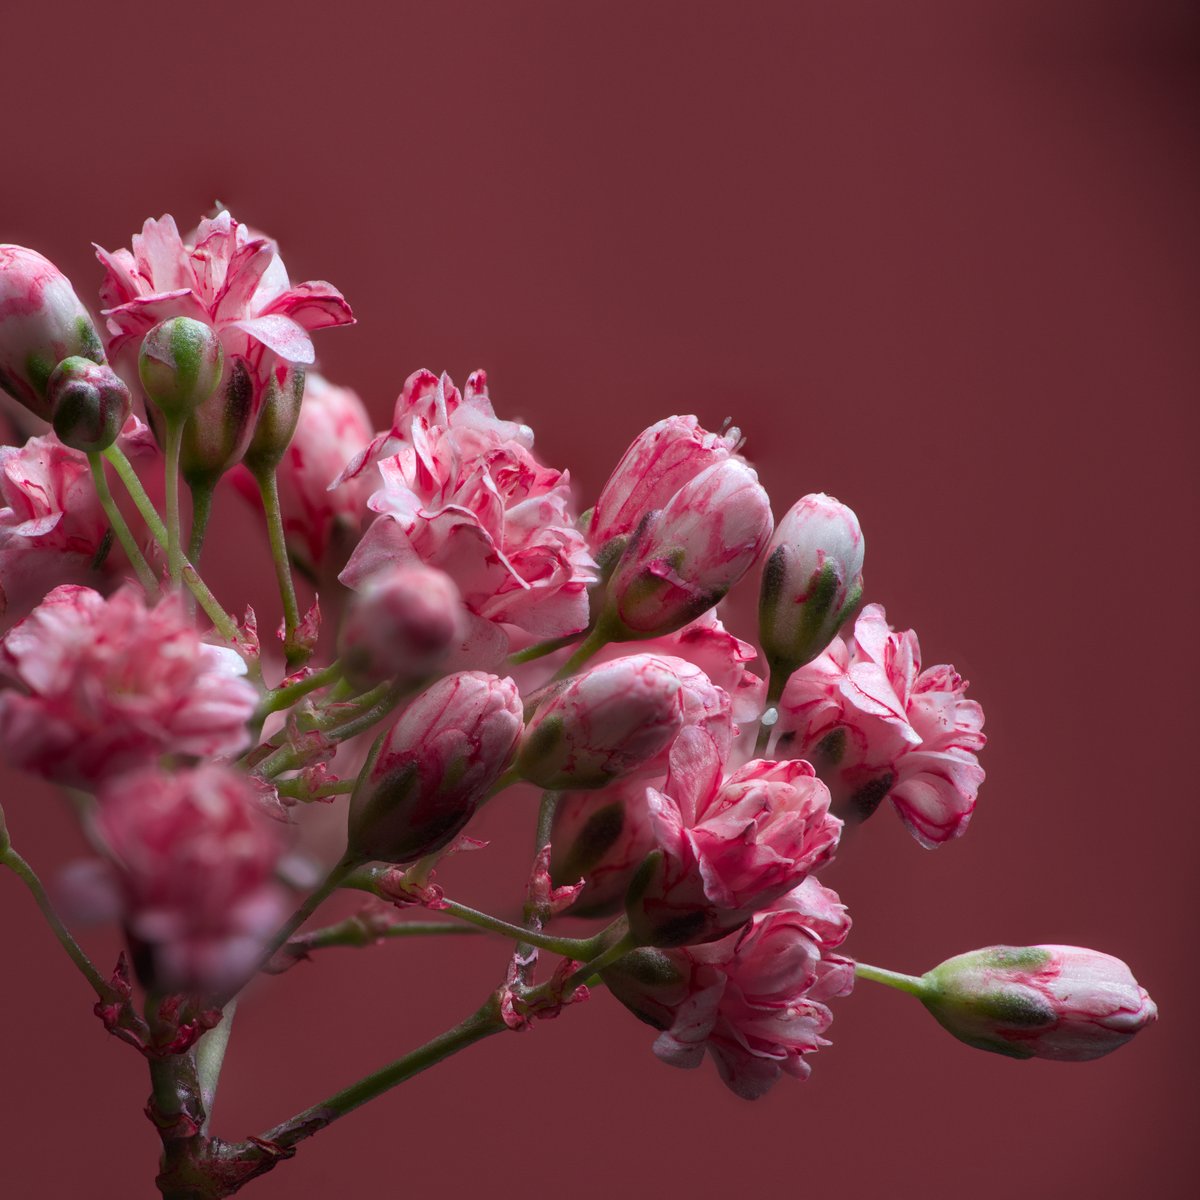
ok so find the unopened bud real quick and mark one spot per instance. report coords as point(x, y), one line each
point(41, 322)
point(603, 724)
point(682, 560)
point(180, 365)
point(401, 624)
point(1059, 1002)
point(427, 774)
point(90, 403)
point(811, 581)
point(278, 419)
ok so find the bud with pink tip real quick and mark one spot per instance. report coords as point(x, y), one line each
point(401, 624)
point(180, 365)
point(659, 462)
point(682, 560)
point(90, 403)
point(41, 322)
point(195, 859)
point(1059, 1002)
point(811, 580)
point(725, 848)
point(603, 724)
point(276, 425)
point(427, 774)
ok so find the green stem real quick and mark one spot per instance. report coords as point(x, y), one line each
point(174, 536)
point(296, 789)
point(606, 958)
point(225, 625)
point(19, 867)
point(913, 984)
point(269, 490)
point(776, 682)
point(356, 933)
point(202, 498)
point(475, 1028)
point(536, 914)
point(124, 535)
point(286, 696)
point(577, 948)
point(541, 649)
point(592, 644)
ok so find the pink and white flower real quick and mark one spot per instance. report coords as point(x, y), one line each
point(661, 459)
point(876, 726)
point(681, 560)
point(1058, 1002)
point(427, 774)
point(235, 282)
point(97, 687)
point(194, 861)
point(726, 847)
point(462, 492)
point(757, 1000)
point(41, 322)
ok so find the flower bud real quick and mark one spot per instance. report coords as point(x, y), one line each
point(401, 624)
point(811, 581)
point(41, 322)
point(180, 365)
point(427, 774)
point(1059, 1002)
point(658, 463)
point(278, 419)
point(90, 403)
point(602, 725)
point(679, 562)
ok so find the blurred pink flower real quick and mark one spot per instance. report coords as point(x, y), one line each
point(726, 847)
point(462, 492)
point(755, 1000)
point(194, 860)
point(99, 686)
point(876, 726)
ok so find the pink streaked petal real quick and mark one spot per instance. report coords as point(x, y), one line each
point(246, 270)
point(314, 304)
point(161, 256)
point(281, 335)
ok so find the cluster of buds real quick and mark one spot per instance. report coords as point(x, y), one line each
point(488, 637)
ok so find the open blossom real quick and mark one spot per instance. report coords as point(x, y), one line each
point(461, 491)
point(659, 462)
point(726, 847)
point(681, 560)
point(99, 686)
point(41, 322)
point(51, 524)
point(757, 1000)
point(235, 282)
point(427, 774)
point(194, 861)
point(876, 726)
point(1058, 1002)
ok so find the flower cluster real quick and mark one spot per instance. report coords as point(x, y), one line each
point(695, 782)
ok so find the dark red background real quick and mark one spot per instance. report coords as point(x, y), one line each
point(938, 259)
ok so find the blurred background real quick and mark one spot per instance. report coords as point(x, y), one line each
point(938, 259)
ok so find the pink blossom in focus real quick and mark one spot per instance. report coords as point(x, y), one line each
point(726, 847)
point(462, 492)
point(612, 720)
point(876, 726)
point(682, 560)
point(235, 282)
point(757, 1000)
point(1058, 1002)
point(99, 686)
point(194, 864)
point(659, 462)
point(41, 322)
point(427, 774)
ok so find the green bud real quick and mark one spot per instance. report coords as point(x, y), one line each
point(180, 365)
